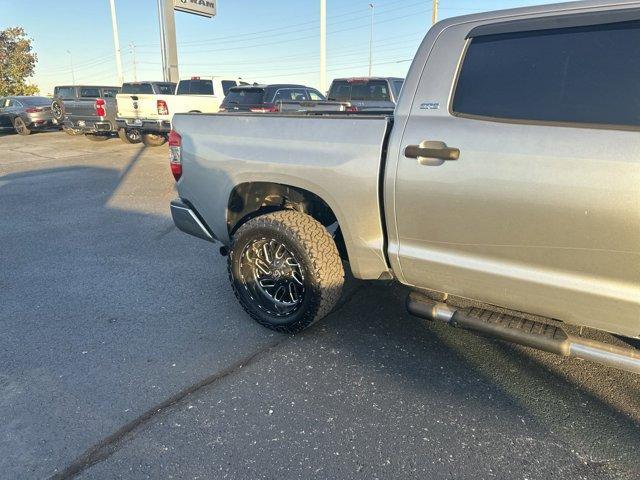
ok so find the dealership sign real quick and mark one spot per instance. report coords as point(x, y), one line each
point(205, 8)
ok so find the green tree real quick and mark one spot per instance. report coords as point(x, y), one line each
point(17, 62)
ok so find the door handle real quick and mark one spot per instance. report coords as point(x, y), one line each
point(431, 153)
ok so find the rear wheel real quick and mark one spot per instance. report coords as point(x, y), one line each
point(129, 135)
point(153, 139)
point(285, 270)
point(96, 137)
point(21, 127)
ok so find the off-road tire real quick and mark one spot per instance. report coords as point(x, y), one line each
point(153, 140)
point(96, 137)
point(126, 136)
point(317, 255)
point(21, 127)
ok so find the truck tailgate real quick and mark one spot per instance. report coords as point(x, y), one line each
point(137, 105)
point(337, 157)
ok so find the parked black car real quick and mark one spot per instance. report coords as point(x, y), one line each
point(86, 109)
point(25, 114)
point(265, 98)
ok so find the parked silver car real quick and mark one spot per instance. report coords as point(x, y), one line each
point(25, 114)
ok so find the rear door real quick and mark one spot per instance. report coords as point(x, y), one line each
point(541, 212)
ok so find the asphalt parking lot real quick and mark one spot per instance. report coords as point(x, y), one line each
point(123, 354)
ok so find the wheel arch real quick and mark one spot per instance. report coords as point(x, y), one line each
point(251, 199)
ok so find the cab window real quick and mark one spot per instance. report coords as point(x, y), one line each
point(558, 75)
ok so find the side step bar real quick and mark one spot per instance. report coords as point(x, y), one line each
point(525, 332)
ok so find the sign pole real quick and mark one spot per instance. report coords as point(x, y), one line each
point(162, 40)
point(170, 47)
point(116, 41)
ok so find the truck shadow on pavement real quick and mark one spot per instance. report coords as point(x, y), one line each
point(100, 296)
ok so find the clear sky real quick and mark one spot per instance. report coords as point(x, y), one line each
point(264, 41)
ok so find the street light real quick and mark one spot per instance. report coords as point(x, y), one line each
point(73, 74)
point(373, 10)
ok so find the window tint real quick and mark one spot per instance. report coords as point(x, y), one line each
point(166, 88)
point(340, 91)
point(195, 87)
point(89, 92)
point(297, 94)
point(315, 95)
point(397, 86)
point(245, 96)
point(36, 101)
point(64, 92)
point(110, 92)
point(578, 75)
point(227, 84)
point(137, 88)
point(375, 90)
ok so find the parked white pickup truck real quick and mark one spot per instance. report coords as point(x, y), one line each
point(145, 109)
point(504, 190)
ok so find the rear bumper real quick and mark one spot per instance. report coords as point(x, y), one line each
point(145, 125)
point(187, 220)
point(89, 124)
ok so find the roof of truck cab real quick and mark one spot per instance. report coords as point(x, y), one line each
point(538, 10)
point(147, 81)
point(347, 79)
point(271, 85)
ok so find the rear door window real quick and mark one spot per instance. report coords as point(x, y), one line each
point(315, 95)
point(195, 87)
point(89, 92)
point(584, 75)
point(287, 94)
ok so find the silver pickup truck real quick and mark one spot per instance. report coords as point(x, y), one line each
point(504, 191)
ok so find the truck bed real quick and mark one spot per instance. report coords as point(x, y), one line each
point(225, 150)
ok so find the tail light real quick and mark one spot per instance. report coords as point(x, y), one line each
point(175, 159)
point(100, 111)
point(33, 110)
point(268, 108)
point(222, 109)
point(162, 107)
point(351, 108)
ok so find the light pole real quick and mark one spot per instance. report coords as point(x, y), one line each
point(116, 41)
point(323, 46)
point(434, 12)
point(73, 74)
point(373, 10)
